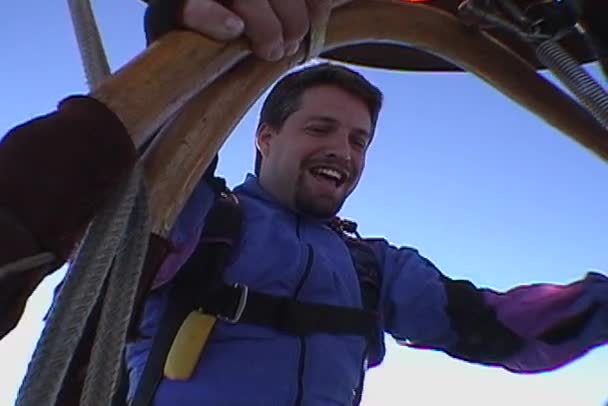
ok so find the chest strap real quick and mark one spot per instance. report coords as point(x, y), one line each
point(236, 303)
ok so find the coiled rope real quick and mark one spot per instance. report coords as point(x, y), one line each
point(113, 250)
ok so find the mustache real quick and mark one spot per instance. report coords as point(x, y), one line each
point(341, 163)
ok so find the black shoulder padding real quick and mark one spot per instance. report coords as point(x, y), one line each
point(368, 271)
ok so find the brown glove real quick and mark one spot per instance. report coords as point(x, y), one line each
point(55, 172)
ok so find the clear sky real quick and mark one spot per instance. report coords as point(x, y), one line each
point(481, 186)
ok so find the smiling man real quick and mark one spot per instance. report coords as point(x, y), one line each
point(301, 309)
point(313, 148)
point(314, 131)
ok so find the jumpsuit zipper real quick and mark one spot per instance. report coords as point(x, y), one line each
point(310, 254)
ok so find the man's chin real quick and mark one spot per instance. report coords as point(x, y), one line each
point(313, 201)
point(322, 208)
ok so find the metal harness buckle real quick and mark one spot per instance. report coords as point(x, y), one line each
point(240, 307)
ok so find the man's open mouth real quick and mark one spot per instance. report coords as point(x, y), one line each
point(329, 174)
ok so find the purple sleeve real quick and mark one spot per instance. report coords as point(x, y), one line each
point(185, 232)
point(558, 323)
point(412, 298)
point(531, 328)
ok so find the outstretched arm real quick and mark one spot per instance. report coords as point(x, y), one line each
point(530, 328)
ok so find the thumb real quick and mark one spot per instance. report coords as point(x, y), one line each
point(210, 18)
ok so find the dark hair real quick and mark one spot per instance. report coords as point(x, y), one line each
point(285, 97)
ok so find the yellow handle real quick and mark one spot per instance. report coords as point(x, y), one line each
point(188, 345)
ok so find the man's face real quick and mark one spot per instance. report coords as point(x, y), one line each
point(315, 160)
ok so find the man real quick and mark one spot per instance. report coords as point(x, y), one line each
point(315, 129)
point(314, 132)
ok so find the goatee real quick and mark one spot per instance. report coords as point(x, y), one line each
point(311, 204)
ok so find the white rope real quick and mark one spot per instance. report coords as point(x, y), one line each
point(113, 250)
point(104, 364)
point(92, 54)
point(76, 299)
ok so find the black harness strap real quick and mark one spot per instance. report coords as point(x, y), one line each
point(219, 235)
point(368, 272)
point(174, 315)
point(237, 304)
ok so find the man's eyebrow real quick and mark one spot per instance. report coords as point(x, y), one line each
point(333, 121)
point(326, 119)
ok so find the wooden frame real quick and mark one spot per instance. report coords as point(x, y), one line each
point(204, 88)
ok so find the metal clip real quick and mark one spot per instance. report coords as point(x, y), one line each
point(240, 307)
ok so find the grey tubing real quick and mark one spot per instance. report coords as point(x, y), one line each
point(575, 78)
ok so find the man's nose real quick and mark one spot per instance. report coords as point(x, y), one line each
point(340, 147)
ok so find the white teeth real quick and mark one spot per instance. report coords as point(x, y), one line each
point(330, 173)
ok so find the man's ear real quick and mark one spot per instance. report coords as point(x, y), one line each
point(263, 138)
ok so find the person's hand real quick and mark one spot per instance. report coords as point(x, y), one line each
point(275, 28)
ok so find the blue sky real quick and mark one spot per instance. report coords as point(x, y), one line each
point(479, 185)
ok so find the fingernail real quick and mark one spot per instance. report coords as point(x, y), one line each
point(276, 53)
point(292, 48)
point(234, 25)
